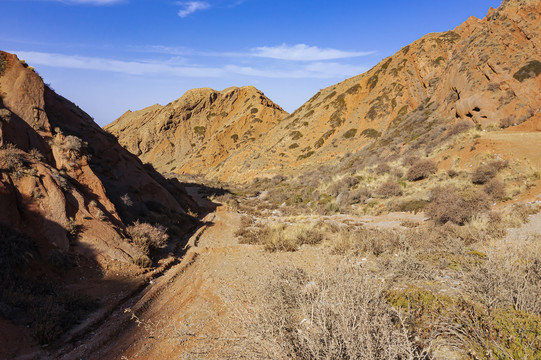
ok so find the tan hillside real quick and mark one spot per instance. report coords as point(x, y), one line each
point(198, 132)
point(484, 72)
point(68, 194)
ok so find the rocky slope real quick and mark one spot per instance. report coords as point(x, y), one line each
point(68, 191)
point(484, 72)
point(198, 132)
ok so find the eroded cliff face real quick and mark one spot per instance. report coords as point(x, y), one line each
point(197, 133)
point(60, 173)
point(484, 72)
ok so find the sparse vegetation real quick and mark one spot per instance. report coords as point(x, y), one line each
point(371, 133)
point(147, 237)
point(199, 130)
point(12, 160)
point(388, 189)
point(448, 204)
point(421, 169)
point(350, 133)
point(528, 71)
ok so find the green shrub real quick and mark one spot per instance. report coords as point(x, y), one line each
point(350, 133)
point(354, 89)
point(372, 81)
point(294, 146)
point(199, 130)
point(305, 156)
point(295, 135)
point(528, 71)
point(371, 133)
point(254, 111)
point(235, 137)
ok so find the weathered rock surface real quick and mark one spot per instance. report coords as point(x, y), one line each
point(484, 71)
point(199, 132)
point(69, 172)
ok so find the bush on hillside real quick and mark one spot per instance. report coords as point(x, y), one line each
point(146, 236)
point(448, 204)
point(388, 189)
point(421, 170)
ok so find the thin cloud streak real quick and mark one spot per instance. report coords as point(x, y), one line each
point(318, 70)
point(192, 6)
point(119, 66)
point(303, 52)
point(299, 52)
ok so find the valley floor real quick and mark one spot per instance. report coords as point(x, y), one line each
point(203, 307)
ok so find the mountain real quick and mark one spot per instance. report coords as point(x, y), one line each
point(199, 132)
point(482, 73)
point(70, 198)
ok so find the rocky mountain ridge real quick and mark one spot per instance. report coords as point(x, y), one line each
point(484, 73)
point(199, 131)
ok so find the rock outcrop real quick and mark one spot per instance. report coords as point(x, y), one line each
point(61, 174)
point(485, 72)
point(197, 133)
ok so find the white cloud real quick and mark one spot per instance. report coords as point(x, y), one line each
point(192, 6)
point(119, 66)
point(178, 67)
point(303, 52)
point(310, 71)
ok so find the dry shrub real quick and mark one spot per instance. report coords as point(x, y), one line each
point(342, 186)
point(447, 204)
point(278, 237)
point(382, 168)
point(11, 159)
point(339, 313)
point(290, 238)
point(411, 159)
point(146, 236)
point(421, 170)
point(503, 303)
point(519, 214)
point(36, 154)
point(415, 205)
point(373, 241)
point(388, 189)
point(142, 261)
point(452, 173)
point(483, 174)
point(249, 232)
point(495, 189)
point(459, 127)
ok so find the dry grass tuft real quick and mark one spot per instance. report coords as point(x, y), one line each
point(146, 236)
point(340, 313)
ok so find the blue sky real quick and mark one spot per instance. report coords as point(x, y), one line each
point(109, 56)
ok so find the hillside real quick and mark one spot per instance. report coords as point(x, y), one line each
point(483, 73)
point(70, 194)
point(197, 133)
